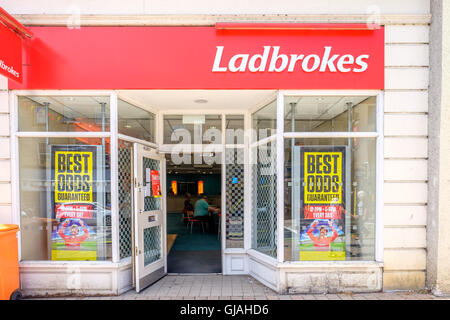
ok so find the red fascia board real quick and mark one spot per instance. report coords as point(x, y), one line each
point(295, 26)
point(13, 24)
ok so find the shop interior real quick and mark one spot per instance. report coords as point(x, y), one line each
point(193, 244)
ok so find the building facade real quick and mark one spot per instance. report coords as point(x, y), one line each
point(391, 140)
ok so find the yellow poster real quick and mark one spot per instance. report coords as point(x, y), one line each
point(322, 235)
point(74, 203)
point(323, 178)
point(73, 176)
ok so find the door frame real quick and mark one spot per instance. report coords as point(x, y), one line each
point(191, 149)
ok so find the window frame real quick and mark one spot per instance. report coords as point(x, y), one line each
point(112, 134)
point(378, 135)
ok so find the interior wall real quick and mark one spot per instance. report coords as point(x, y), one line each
point(212, 184)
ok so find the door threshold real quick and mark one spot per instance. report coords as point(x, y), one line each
point(195, 274)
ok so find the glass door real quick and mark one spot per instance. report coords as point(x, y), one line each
point(149, 222)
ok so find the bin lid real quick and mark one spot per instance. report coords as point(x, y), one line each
point(8, 227)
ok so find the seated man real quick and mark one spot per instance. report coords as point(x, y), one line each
point(202, 210)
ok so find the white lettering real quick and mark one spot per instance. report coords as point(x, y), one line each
point(294, 59)
point(274, 60)
point(280, 62)
point(194, 310)
point(361, 63)
point(242, 66)
point(262, 64)
point(315, 65)
point(217, 59)
point(344, 60)
point(9, 69)
point(327, 62)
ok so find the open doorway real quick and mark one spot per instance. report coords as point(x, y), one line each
point(193, 226)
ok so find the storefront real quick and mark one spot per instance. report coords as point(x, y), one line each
point(293, 113)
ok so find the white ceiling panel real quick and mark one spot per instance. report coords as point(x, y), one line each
point(197, 99)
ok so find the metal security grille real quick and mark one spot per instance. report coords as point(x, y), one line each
point(234, 183)
point(152, 244)
point(264, 220)
point(125, 180)
point(150, 203)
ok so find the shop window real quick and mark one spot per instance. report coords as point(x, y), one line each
point(329, 114)
point(330, 182)
point(125, 191)
point(234, 181)
point(135, 122)
point(264, 121)
point(234, 129)
point(192, 129)
point(264, 199)
point(65, 198)
point(63, 113)
point(234, 193)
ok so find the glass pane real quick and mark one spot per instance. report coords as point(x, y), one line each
point(152, 244)
point(234, 197)
point(264, 121)
point(234, 129)
point(329, 114)
point(135, 122)
point(63, 113)
point(125, 180)
point(65, 198)
point(264, 184)
point(153, 201)
point(192, 129)
point(330, 194)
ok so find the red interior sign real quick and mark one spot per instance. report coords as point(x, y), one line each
point(203, 58)
point(10, 54)
point(156, 183)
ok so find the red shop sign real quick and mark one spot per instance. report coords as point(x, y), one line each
point(10, 54)
point(204, 58)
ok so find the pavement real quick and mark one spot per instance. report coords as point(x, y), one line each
point(242, 287)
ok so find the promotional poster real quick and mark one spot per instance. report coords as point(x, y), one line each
point(322, 220)
point(156, 183)
point(74, 207)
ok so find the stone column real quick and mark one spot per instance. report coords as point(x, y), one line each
point(438, 220)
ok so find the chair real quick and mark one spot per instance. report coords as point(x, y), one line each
point(192, 220)
point(187, 215)
point(184, 216)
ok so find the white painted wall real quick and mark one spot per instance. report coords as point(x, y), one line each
point(137, 7)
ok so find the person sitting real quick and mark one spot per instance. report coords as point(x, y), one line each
point(202, 211)
point(188, 209)
point(187, 203)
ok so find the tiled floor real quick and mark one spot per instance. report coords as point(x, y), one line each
point(219, 287)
